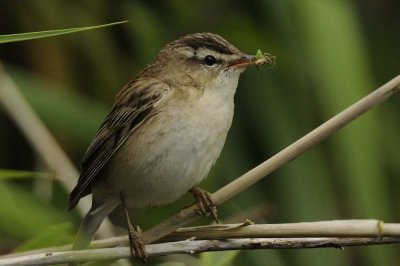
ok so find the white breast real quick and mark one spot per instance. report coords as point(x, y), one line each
point(175, 152)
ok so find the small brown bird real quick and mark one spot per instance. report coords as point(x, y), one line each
point(165, 131)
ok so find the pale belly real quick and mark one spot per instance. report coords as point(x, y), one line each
point(174, 154)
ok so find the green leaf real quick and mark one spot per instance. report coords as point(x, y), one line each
point(19, 174)
point(50, 33)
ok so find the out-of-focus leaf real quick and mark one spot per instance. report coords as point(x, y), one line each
point(49, 33)
point(24, 216)
point(171, 263)
point(223, 258)
point(147, 35)
point(55, 235)
point(19, 174)
point(63, 110)
point(339, 60)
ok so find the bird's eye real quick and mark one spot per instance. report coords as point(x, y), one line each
point(210, 60)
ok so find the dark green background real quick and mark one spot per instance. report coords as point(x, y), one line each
point(329, 54)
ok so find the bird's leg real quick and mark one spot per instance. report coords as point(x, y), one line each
point(136, 243)
point(204, 202)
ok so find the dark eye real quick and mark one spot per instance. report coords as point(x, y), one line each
point(210, 60)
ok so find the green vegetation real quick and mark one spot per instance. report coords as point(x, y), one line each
point(330, 53)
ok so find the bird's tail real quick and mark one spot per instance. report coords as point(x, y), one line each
point(91, 222)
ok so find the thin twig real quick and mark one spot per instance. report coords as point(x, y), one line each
point(336, 228)
point(277, 161)
point(42, 140)
point(195, 246)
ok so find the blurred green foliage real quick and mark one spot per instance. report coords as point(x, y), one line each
point(329, 54)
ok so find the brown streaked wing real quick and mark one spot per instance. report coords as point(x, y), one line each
point(125, 118)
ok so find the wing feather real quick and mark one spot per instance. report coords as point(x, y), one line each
point(134, 106)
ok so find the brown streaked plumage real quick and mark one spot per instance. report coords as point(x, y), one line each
point(133, 106)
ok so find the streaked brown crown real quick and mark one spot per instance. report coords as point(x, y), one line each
point(206, 40)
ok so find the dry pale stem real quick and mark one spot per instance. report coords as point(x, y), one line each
point(195, 246)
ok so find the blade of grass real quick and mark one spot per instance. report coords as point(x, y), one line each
point(50, 33)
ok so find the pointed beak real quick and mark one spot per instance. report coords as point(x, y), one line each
point(248, 60)
point(244, 61)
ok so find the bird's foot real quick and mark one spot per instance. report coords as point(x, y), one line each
point(137, 246)
point(136, 243)
point(204, 202)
